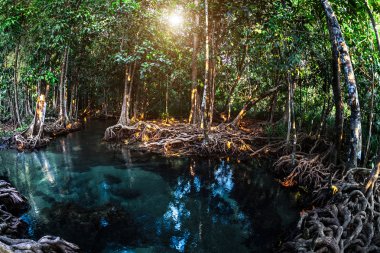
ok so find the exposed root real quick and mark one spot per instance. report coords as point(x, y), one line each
point(183, 139)
point(28, 141)
point(350, 222)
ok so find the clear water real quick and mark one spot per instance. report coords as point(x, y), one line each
point(109, 199)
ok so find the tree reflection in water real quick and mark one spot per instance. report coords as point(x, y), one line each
point(202, 209)
point(119, 199)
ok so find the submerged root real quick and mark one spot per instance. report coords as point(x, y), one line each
point(12, 203)
point(47, 244)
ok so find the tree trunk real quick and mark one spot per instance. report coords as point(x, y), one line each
point(338, 100)
point(248, 105)
point(129, 98)
point(123, 115)
point(289, 112)
point(273, 107)
point(15, 79)
point(194, 112)
point(203, 122)
point(240, 70)
point(63, 118)
point(370, 122)
point(213, 77)
point(353, 98)
point(371, 115)
point(293, 117)
point(35, 129)
point(374, 25)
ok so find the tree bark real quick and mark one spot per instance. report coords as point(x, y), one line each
point(374, 25)
point(194, 112)
point(213, 77)
point(338, 100)
point(353, 98)
point(123, 115)
point(63, 118)
point(371, 116)
point(203, 119)
point(35, 129)
point(15, 80)
point(273, 107)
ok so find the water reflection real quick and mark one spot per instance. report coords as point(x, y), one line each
point(115, 200)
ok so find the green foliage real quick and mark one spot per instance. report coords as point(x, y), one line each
point(276, 130)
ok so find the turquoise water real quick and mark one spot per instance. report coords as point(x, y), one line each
point(106, 198)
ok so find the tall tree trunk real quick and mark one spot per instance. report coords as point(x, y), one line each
point(273, 107)
point(123, 115)
point(289, 110)
point(374, 25)
point(353, 97)
point(65, 89)
point(136, 104)
point(63, 118)
point(203, 122)
point(167, 101)
point(129, 98)
point(55, 98)
point(338, 100)
point(371, 115)
point(370, 121)
point(15, 82)
point(293, 117)
point(194, 112)
point(35, 129)
point(213, 77)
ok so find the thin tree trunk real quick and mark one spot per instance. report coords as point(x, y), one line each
point(27, 102)
point(370, 122)
point(289, 110)
point(194, 113)
point(167, 102)
point(374, 25)
point(55, 98)
point(35, 129)
point(129, 98)
point(353, 97)
point(62, 91)
point(240, 70)
point(123, 114)
point(273, 107)
point(338, 100)
point(15, 79)
point(65, 89)
point(371, 116)
point(293, 116)
point(213, 77)
point(203, 122)
point(248, 105)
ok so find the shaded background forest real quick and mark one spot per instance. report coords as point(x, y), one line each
point(255, 46)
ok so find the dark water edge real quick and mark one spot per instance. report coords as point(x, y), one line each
point(109, 199)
